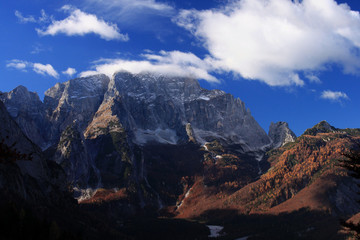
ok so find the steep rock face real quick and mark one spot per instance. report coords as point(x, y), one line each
point(152, 108)
point(75, 100)
point(281, 134)
point(11, 133)
point(72, 155)
point(190, 133)
point(144, 125)
point(157, 108)
point(33, 178)
point(29, 112)
point(119, 162)
point(120, 134)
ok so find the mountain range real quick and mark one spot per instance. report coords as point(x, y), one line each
point(153, 145)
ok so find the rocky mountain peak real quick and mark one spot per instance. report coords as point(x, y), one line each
point(321, 127)
point(151, 107)
point(145, 85)
point(157, 108)
point(77, 99)
point(76, 89)
point(280, 134)
point(19, 99)
point(101, 130)
point(28, 111)
point(21, 92)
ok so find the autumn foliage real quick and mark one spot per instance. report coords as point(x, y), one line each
point(296, 165)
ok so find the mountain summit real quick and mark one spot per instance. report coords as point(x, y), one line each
point(280, 134)
point(321, 127)
point(147, 144)
point(105, 132)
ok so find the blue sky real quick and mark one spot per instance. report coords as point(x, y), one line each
point(293, 61)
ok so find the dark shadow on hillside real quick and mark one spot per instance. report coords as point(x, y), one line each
point(164, 228)
point(301, 224)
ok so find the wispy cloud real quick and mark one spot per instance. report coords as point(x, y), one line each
point(17, 64)
point(173, 63)
point(38, 48)
point(334, 96)
point(70, 72)
point(152, 15)
point(79, 23)
point(43, 69)
point(313, 78)
point(120, 8)
point(278, 41)
point(31, 19)
point(23, 19)
point(44, 17)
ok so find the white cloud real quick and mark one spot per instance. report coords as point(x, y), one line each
point(70, 72)
point(334, 96)
point(23, 19)
point(46, 69)
point(173, 63)
point(18, 64)
point(43, 69)
point(276, 41)
point(81, 23)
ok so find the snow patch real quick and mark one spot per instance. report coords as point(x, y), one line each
point(215, 231)
point(78, 97)
point(204, 98)
point(243, 238)
point(84, 194)
point(206, 148)
point(201, 135)
point(166, 136)
point(182, 201)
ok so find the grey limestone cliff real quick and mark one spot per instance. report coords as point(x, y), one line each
point(33, 178)
point(281, 134)
point(100, 128)
point(28, 111)
point(157, 108)
point(75, 100)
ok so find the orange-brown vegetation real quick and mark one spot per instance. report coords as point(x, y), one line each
point(227, 172)
point(301, 175)
point(106, 195)
point(103, 122)
point(295, 167)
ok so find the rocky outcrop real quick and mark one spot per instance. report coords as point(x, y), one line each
point(30, 178)
point(75, 100)
point(281, 134)
point(29, 112)
point(190, 133)
point(321, 127)
point(72, 155)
